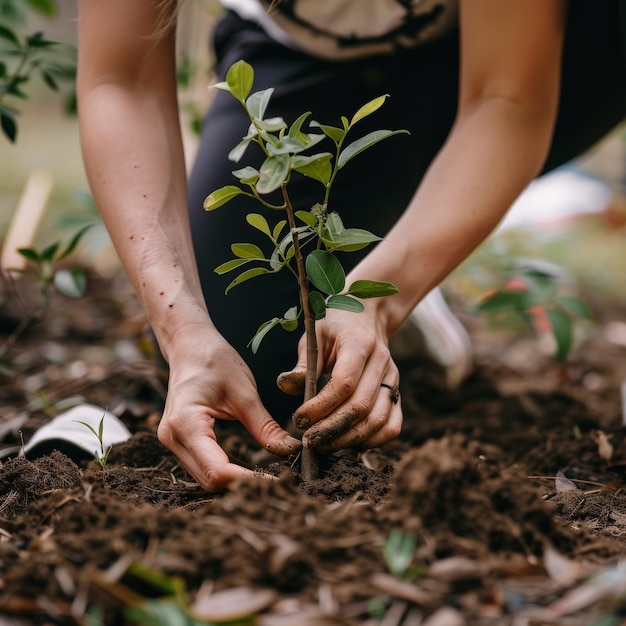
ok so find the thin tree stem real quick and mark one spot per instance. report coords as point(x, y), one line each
point(310, 463)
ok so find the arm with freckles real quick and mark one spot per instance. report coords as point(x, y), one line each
point(509, 92)
point(133, 154)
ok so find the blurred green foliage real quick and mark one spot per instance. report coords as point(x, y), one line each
point(25, 55)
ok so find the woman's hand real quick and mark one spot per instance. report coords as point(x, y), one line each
point(358, 407)
point(210, 381)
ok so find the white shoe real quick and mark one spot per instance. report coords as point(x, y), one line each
point(433, 327)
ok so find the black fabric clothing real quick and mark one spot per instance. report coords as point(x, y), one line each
point(373, 190)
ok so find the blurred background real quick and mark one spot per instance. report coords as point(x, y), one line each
point(574, 217)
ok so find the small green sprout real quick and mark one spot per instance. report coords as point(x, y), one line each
point(399, 553)
point(101, 455)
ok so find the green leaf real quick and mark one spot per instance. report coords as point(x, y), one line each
point(71, 246)
point(514, 299)
point(48, 78)
point(295, 130)
point(221, 196)
point(289, 325)
point(399, 551)
point(325, 272)
point(368, 109)
point(236, 154)
point(332, 132)
point(70, 283)
point(562, 330)
point(307, 217)
point(9, 126)
point(271, 124)
point(9, 35)
point(265, 328)
point(345, 303)
point(257, 103)
point(573, 306)
point(247, 275)
point(230, 265)
point(273, 173)
point(365, 142)
point(247, 251)
point(49, 252)
point(30, 254)
point(240, 78)
point(287, 145)
point(291, 314)
point(45, 7)
point(372, 289)
point(317, 304)
point(259, 222)
point(316, 166)
point(246, 174)
point(351, 239)
point(278, 229)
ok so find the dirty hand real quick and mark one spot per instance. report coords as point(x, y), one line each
point(210, 381)
point(358, 407)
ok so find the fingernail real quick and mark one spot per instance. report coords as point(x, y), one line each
point(293, 443)
point(301, 422)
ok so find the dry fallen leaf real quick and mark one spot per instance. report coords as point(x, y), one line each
point(562, 483)
point(232, 604)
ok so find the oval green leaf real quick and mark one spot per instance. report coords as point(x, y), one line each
point(230, 265)
point(325, 272)
point(273, 173)
point(368, 109)
point(240, 78)
point(317, 304)
point(221, 196)
point(259, 222)
point(345, 303)
point(365, 142)
point(247, 275)
point(316, 166)
point(257, 103)
point(372, 289)
point(247, 251)
point(265, 328)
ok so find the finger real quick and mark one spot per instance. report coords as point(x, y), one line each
point(294, 381)
point(208, 464)
point(380, 424)
point(266, 431)
point(346, 376)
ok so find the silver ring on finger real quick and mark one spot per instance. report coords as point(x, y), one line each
point(394, 392)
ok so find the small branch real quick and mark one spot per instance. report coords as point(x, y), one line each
point(310, 464)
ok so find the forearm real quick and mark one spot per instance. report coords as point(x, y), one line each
point(492, 153)
point(134, 160)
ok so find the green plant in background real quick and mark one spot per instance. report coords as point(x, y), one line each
point(529, 291)
point(101, 455)
point(317, 228)
point(42, 267)
point(23, 56)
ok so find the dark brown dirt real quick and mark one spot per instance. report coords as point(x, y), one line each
point(472, 480)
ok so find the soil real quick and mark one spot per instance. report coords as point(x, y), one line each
point(505, 498)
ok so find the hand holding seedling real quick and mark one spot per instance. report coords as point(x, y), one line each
point(352, 410)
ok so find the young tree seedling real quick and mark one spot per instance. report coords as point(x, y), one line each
point(42, 267)
point(530, 293)
point(320, 275)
